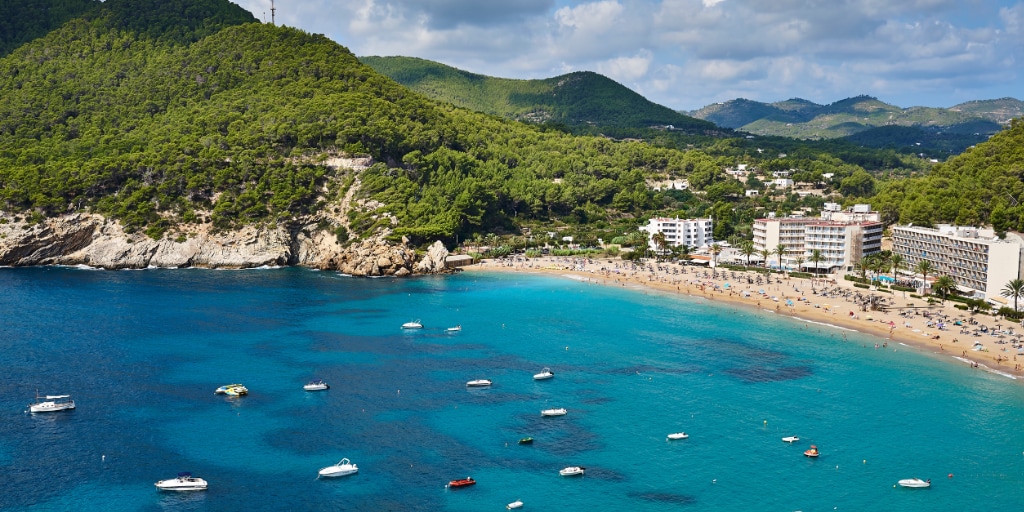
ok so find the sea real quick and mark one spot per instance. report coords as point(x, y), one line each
point(142, 352)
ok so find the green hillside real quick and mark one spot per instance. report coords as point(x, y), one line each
point(984, 185)
point(577, 99)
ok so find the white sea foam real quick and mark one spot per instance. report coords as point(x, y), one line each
point(827, 325)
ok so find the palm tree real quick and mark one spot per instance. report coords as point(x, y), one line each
point(747, 250)
point(780, 251)
point(896, 263)
point(800, 263)
point(924, 267)
point(816, 258)
point(715, 250)
point(1015, 289)
point(764, 255)
point(944, 285)
point(660, 242)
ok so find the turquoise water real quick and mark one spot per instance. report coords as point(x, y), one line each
point(142, 352)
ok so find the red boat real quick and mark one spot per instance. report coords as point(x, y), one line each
point(813, 452)
point(465, 482)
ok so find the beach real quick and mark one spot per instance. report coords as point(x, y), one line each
point(901, 321)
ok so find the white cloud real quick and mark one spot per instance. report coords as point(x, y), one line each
point(626, 69)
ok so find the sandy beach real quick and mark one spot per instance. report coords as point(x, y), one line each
point(939, 329)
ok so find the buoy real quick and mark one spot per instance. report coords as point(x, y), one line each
point(865, 461)
point(766, 423)
point(104, 457)
point(951, 475)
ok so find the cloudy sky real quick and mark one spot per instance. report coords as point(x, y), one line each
point(688, 53)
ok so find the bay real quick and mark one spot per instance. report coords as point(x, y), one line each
point(142, 352)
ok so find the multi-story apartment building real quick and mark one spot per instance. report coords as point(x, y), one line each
point(689, 232)
point(977, 260)
point(842, 236)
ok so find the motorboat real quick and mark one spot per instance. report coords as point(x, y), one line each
point(812, 451)
point(316, 385)
point(679, 435)
point(184, 482)
point(514, 504)
point(526, 440)
point(544, 374)
point(415, 324)
point(791, 439)
point(238, 390)
point(479, 383)
point(223, 390)
point(915, 483)
point(343, 468)
point(51, 403)
point(572, 471)
point(465, 482)
point(554, 412)
point(457, 328)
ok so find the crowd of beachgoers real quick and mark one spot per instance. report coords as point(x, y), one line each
point(979, 340)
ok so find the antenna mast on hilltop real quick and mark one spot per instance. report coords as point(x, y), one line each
point(272, 9)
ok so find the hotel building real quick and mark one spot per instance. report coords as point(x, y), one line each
point(977, 260)
point(844, 237)
point(689, 232)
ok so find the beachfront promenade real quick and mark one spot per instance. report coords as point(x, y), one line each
point(937, 328)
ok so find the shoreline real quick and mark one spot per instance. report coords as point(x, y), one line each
point(909, 322)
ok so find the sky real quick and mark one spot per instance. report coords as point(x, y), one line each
point(686, 54)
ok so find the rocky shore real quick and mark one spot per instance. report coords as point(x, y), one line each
point(95, 241)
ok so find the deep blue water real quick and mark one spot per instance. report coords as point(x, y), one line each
point(142, 352)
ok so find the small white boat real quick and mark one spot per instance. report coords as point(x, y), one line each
point(572, 471)
point(316, 385)
point(679, 435)
point(343, 468)
point(791, 439)
point(515, 504)
point(457, 328)
point(238, 390)
point(51, 403)
point(544, 374)
point(223, 390)
point(915, 483)
point(479, 383)
point(415, 324)
point(554, 412)
point(184, 482)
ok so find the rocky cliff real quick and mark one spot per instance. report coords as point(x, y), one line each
point(86, 239)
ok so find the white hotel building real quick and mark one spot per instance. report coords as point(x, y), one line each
point(689, 232)
point(973, 257)
point(843, 237)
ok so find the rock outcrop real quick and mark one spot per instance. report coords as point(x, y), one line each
point(88, 239)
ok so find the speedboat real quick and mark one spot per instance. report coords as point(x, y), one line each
point(237, 390)
point(514, 504)
point(343, 468)
point(415, 324)
point(316, 385)
point(457, 328)
point(544, 374)
point(526, 440)
point(915, 483)
point(679, 435)
point(479, 383)
point(223, 390)
point(465, 482)
point(184, 482)
point(51, 403)
point(812, 451)
point(554, 412)
point(791, 439)
point(572, 471)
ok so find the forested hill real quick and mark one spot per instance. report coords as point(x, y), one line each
point(136, 122)
point(984, 185)
point(24, 20)
point(576, 99)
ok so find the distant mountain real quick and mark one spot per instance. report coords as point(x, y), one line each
point(577, 99)
point(800, 118)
